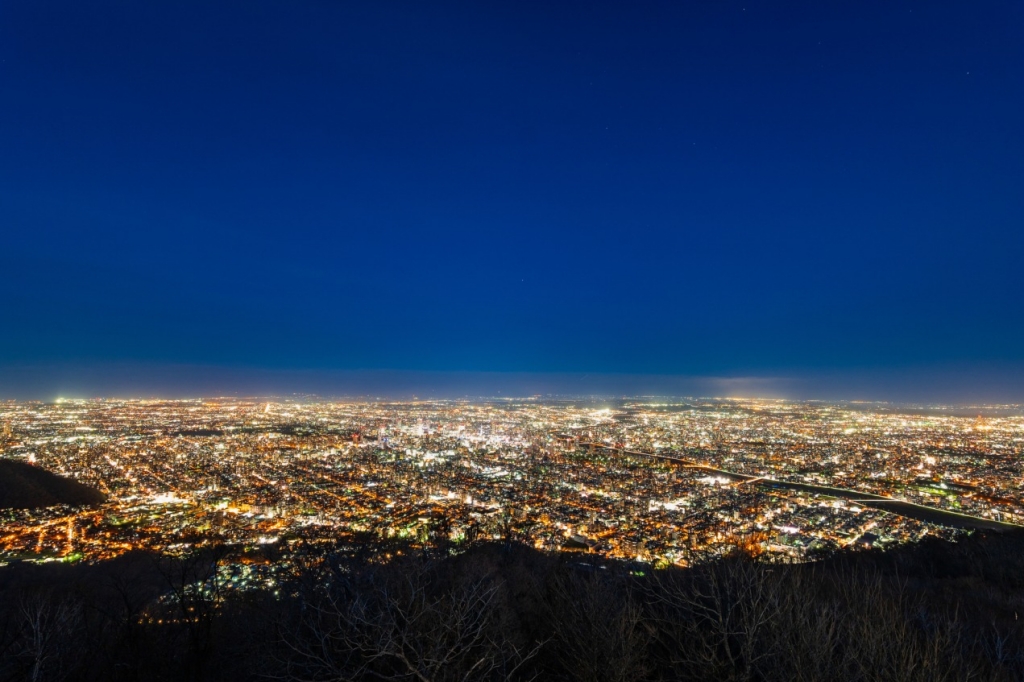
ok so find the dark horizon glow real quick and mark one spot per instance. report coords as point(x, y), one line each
point(822, 198)
point(950, 386)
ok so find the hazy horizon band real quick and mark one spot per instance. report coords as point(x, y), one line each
point(949, 384)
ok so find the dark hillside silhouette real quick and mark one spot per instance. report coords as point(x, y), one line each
point(23, 486)
point(503, 611)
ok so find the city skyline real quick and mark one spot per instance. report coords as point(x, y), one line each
point(669, 482)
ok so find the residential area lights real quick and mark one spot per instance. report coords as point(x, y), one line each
point(660, 481)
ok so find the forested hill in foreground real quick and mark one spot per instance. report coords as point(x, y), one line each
point(936, 611)
point(23, 486)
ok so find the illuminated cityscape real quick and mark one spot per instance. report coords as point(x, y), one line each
point(654, 480)
point(583, 342)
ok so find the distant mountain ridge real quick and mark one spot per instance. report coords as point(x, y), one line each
point(23, 486)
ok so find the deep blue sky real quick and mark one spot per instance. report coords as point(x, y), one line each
point(687, 188)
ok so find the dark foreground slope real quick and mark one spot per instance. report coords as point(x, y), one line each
point(23, 486)
point(934, 611)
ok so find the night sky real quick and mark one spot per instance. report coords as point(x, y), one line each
point(692, 189)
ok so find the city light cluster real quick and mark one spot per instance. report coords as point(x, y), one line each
point(660, 481)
